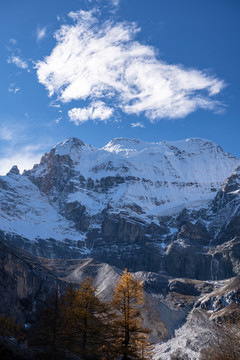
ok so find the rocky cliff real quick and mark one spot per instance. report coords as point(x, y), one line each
point(25, 284)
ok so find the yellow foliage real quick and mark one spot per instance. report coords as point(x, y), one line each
point(131, 340)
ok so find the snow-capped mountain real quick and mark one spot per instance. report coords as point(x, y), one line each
point(156, 177)
point(130, 203)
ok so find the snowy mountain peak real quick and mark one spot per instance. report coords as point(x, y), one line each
point(72, 147)
point(192, 144)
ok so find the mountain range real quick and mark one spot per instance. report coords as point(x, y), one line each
point(169, 207)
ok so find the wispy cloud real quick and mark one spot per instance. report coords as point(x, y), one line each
point(6, 133)
point(137, 124)
point(21, 147)
point(13, 88)
point(53, 104)
point(13, 132)
point(13, 41)
point(95, 61)
point(18, 61)
point(41, 33)
point(115, 2)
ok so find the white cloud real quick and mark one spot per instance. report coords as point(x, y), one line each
point(13, 88)
point(94, 61)
point(96, 111)
point(137, 124)
point(22, 64)
point(41, 33)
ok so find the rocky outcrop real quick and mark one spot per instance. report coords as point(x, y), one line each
point(185, 259)
point(196, 234)
point(221, 298)
point(189, 260)
point(25, 285)
point(183, 288)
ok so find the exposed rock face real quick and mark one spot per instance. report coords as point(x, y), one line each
point(25, 285)
point(187, 260)
point(14, 170)
point(183, 288)
point(146, 206)
point(221, 297)
point(196, 234)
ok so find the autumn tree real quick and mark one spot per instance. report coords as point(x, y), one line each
point(131, 338)
point(85, 325)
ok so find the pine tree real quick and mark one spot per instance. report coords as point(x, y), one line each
point(131, 339)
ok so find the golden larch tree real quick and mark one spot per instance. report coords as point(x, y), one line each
point(131, 338)
point(85, 319)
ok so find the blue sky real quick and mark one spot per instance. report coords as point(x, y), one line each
point(149, 69)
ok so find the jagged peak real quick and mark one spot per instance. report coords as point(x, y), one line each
point(72, 147)
point(14, 171)
point(69, 143)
